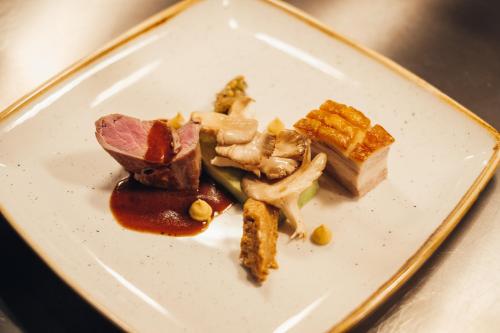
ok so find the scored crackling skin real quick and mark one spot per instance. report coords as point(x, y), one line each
point(346, 129)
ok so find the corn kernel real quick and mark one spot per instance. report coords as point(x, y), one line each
point(275, 126)
point(321, 235)
point(177, 121)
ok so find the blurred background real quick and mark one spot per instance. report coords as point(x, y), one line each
point(453, 44)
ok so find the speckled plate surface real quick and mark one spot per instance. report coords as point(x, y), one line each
point(55, 181)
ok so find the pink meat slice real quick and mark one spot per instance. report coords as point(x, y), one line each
point(126, 140)
point(184, 170)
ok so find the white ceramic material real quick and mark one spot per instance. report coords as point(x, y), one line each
point(55, 180)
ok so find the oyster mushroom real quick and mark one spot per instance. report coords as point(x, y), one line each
point(265, 154)
point(278, 167)
point(226, 162)
point(227, 129)
point(239, 106)
point(284, 194)
point(261, 146)
point(290, 144)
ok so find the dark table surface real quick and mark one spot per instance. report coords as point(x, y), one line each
point(453, 44)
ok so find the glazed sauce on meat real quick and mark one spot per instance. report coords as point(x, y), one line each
point(159, 143)
point(156, 210)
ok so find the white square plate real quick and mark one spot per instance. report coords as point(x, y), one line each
point(55, 180)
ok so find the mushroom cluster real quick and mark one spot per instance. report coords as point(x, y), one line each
point(280, 161)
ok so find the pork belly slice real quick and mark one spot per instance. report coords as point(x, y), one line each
point(258, 243)
point(169, 159)
point(357, 152)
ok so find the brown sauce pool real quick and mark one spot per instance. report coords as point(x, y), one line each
point(146, 208)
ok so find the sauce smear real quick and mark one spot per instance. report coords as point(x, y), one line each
point(156, 210)
point(159, 143)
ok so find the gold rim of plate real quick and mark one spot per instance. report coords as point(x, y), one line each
point(383, 293)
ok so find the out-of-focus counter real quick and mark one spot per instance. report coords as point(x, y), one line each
point(453, 44)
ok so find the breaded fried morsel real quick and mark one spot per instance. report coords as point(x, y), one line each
point(258, 243)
